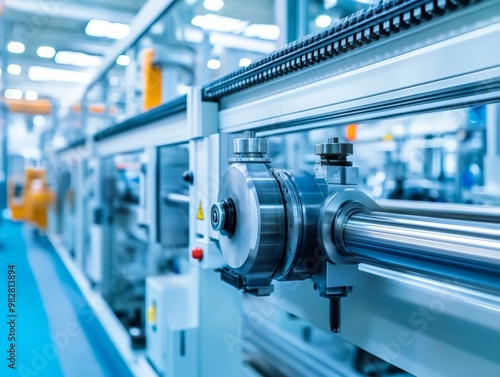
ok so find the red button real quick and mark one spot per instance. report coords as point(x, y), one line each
point(197, 253)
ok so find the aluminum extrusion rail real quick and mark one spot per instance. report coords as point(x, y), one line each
point(457, 251)
point(170, 108)
point(380, 20)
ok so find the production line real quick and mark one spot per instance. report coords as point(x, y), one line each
point(330, 209)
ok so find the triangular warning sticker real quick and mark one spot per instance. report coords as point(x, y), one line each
point(199, 214)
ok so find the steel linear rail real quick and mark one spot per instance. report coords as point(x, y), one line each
point(170, 108)
point(378, 21)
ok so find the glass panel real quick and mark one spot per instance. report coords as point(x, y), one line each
point(436, 157)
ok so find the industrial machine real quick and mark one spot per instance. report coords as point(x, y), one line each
point(332, 278)
point(290, 225)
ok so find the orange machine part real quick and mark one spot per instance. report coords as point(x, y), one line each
point(351, 132)
point(153, 81)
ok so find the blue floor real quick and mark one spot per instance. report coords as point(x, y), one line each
point(57, 333)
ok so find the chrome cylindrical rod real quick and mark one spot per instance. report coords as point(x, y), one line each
point(466, 212)
point(458, 251)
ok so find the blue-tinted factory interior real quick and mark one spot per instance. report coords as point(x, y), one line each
point(236, 188)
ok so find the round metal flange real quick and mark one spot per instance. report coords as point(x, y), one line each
point(334, 213)
point(256, 246)
point(302, 197)
point(333, 148)
point(250, 148)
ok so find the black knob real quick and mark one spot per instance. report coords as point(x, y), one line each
point(188, 177)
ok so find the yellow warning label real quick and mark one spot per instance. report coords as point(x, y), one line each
point(151, 313)
point(199, 214)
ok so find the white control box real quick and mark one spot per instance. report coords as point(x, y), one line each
point(172, 323)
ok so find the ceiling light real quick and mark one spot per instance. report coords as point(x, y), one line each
point(46, 52)
point(193, 35)
point(16, 47)
point(214, 22)
point(214, 5)
point(78, 59)
point(36, 73)
point(323, 21)
point(263, 31)
point(329, 3)
point(39, 121)
point(123, 60)
point(97, 28)
point(31, 95)
point(13, 94)
point(213, 64)
point(106, 29)
point(14, 69)
point(118, 31)
point(245, 62)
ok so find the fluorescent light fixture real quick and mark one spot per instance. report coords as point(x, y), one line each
point(213, 64)
point(39, 121)
point(36, 73)
point(240, 42)
point(13, 94)
point(78, 59)
point(16, 47)
point(193, 35)
point(31, 95)
point(46, 52)
point(245, 62)
point(368, 2)
point(123, 60)
point(213, 22)
point(106, 29)
point(118, 31)
point(97, 28)
point(329, 3)
point(14, 69)
point(263, 31)
point(323, 21)
point(214, 5)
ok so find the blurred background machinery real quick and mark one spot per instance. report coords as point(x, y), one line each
point(265, 188)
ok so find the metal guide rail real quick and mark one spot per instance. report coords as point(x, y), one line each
point(380, 20)
point(170, 108)
point(72, 145)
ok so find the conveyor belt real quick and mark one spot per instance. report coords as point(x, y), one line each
point(381, 20)
point(170, 108)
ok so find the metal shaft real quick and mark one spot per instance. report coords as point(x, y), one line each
point(457, 251)
point(443, 210)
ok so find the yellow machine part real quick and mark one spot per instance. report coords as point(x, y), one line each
point(16, 203)
point(33, 205)
point(153, 81)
